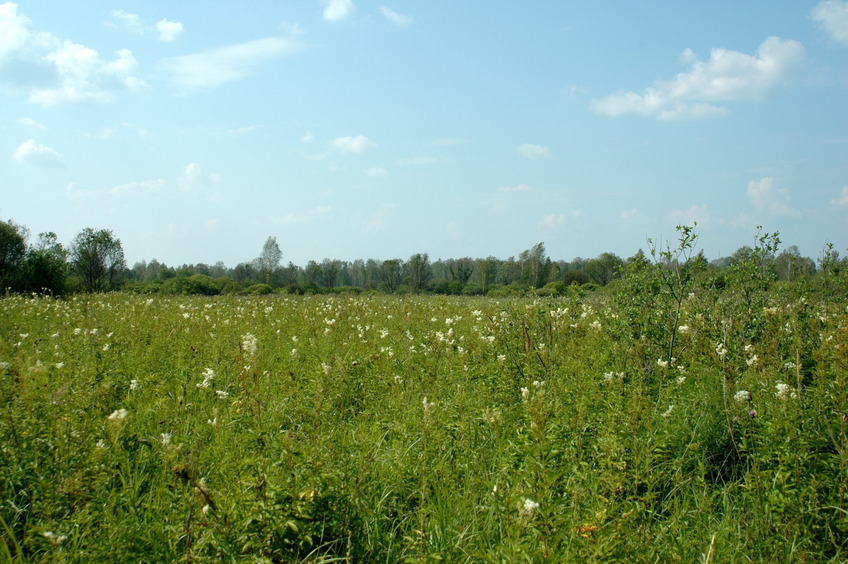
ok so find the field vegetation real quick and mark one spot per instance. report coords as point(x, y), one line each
point(671, 416)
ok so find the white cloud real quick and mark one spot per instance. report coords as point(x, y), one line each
point(451, 141)
point(519, 188)
point(168, 30)
point(37, 155)
point(842, 200)
point(377, 172)
point(52, 71)
point(225, 64)
point(378, 219)
point(531, 151)
point(700, 214)
point(130, 21)
point(337, 10)
point(394, 17)
point(193, 178)
point(29, 122)
point(352, 145)
point(727, 76)
point(832, 16)
point(766, 198)
point(634, 216)
point(572, 219)
point(142, 186)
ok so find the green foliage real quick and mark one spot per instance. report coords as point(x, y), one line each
point(375, 428)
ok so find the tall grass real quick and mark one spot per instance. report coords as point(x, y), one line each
point(379, 429)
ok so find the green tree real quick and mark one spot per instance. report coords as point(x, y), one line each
point(12, 254)
point(391, 272)
point(46, 265)
point(418, 270)
point(268, 263)
point(97, 258)
point(604, 268)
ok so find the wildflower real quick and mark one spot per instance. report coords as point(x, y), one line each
point(208, 375)
point(538, 383)
point(222, 394)
point(784, 391)
point(100, 444)
point(742, 395)
point(4, 365)
point(106, 347)
point(749, 348)
point(59, 364)
point(54, 539)
point(119, 415)
point(398, 379)
point(78, 331)
point(326, 368)
point(596, 325)
point(501, 357)
point(668, 411)
point(681, 379)
point(662, 363)
point(249, 344)
point(528, 508)
point(525, 393)
point(133, 385)
point(790, 366)
point(428, 405)
point(752, 361)
point(165, 438)
point(752, 413)
point(683, 329)
point(720, 350)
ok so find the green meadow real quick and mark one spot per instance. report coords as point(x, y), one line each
point(663, 420)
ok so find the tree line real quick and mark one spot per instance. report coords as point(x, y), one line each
point(94, 262)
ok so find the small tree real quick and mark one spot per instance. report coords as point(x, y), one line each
point(97, 258)
point(268, 263)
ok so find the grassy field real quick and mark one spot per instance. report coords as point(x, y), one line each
point(706, 426)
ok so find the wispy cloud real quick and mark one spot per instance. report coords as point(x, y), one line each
point(394, 17)
point(530, 151)
point(832, 16)
point(29, 122)
point(37, 155)
point(194, 178)
point(700, 214)
point(842, 199)
point(352, 144)
point(337, 10)
point(766, 198)
point(165, 29)
point(377, 172)
point(727, 76)
point(228, 63)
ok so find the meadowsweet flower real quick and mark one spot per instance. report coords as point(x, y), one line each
point(681, 379)
point(752, 361)
point(208, 375)
point(528, 508)
point(100, 444)
point(222, 394)
point(249, 344)
point(749, 348)
point(662, 363)
point(54, 538)
point(59, 364)
point(428, 405)
point(326, 368)
point(134, 385)
point(525, 393)
point(165, 438)
point(683, 329)
point(668, 411)
point(784, 391)
point(119, 415)
point(501, 357)
point(742, 395)
point(720, 350)
point(538, 384)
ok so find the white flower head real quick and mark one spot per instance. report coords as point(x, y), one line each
point(222, 394)
point(742, 396)
point(528, 508)
point(662, 363)
point(249, 344)
point(118, 415)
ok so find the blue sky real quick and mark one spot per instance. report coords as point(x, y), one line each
point(357, 129)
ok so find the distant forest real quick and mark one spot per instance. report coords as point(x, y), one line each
point(94, 262)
